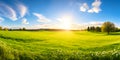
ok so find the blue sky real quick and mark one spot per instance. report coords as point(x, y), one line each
point(58, 13)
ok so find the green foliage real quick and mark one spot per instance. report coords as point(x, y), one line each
point(10, 29)
point(88, 29)
point(94, 29)
point(24, 28)
point(20, 29)
point(98, 29)
point(5, 29)
point(59, 45)
point(117, 29)
point(0, 28)
point(108, 27)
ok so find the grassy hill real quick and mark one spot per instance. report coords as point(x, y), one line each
point(59, 45)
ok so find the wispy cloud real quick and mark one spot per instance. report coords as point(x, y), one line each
point(1, 19)
point(41, 18)
point(96, 23)
point(24, 21)
point(95, 7)
point(40, 26)
point(7, 11)
point(22, 9)
point(84, 7)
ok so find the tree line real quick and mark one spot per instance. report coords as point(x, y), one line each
point(106, 27)
point(7, 29)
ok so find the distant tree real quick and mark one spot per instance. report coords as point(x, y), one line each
point(108, 27)
point(117, 29)
point(24, 28)
point(10, 29)
point(92, 28)
point(0, 28)
point(6, 29)
point(98, 29)
point(88, 29)
point(20, 29)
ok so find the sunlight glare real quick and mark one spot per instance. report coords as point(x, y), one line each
point(66, 22)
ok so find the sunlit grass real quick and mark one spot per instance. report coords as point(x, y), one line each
point(56, 43)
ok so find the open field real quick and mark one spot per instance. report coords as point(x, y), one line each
point(59, 45)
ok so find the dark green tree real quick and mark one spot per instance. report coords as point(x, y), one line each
point(88, 29)
point(98, 29)
point(24, 28)
point(108, 27)
point(92, 28)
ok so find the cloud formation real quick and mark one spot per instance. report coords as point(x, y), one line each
point(84, 7)
point(22, 10)
point(24, 21)
point(94, 9)
point(7, 11)
point(41, 18)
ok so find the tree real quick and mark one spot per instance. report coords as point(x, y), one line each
point(92, 28)
point(10, 29)
point(20, 29)
point(24, 28)
point(88, 29)
point(108, 27)
point(117, 29)
point(6, 29)
point(98, 29)
point(0, 28)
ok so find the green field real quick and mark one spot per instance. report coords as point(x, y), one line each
point(59, 45)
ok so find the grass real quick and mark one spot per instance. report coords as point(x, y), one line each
point(59, 45)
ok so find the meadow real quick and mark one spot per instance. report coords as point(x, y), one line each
point(59, 45)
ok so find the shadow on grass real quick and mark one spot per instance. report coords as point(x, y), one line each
point(114, 33)
point(20, 39)
point(114, 46)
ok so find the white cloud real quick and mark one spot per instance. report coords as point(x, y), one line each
point(24, 21)
point(95, 7)
point(1, 19)
point(84, 7)
point(41, 18)
point(7, 11)
point(22, 10)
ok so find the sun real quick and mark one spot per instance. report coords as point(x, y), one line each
point(66, 22)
